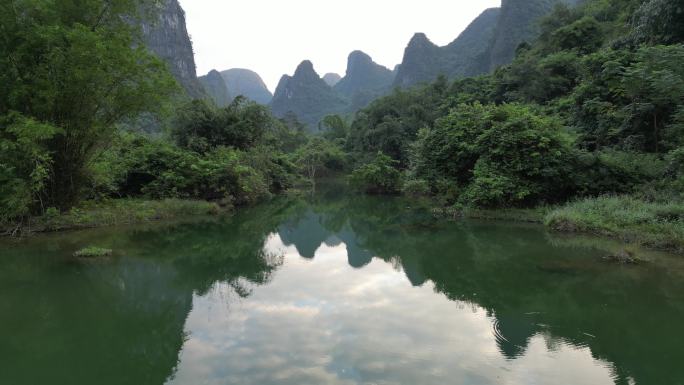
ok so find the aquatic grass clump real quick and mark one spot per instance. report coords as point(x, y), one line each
point(93, 252)
point(654, 224)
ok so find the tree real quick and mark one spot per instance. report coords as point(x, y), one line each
point(660, 21)
point(25, 163)
point(379, 176)
point(200, 126)
point(655, 85)
point(319, 157)
point(80, 67)
point(390, 124)
point(334, 127)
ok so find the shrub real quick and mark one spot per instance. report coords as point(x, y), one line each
point(201, 127)
point(380, 176)
point(154, 168)
point(25, 162)
point(416, 187)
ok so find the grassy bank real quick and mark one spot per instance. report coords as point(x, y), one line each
point(656, 225)
point(111, 213)
point(535, 215)
point(650, 224)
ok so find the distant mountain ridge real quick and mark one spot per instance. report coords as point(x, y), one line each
point(307, 96)
point(311, 98)
point(364, 81)
point(216, 88)
point(487, 43)
point(240, 81)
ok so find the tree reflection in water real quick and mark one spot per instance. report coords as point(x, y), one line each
point(126, 321)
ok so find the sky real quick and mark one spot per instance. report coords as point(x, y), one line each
point(272, 37)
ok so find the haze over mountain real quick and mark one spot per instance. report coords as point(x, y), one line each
point(228, 34)
point(307, 96)
point(488, 42)
point(167, 37)
point(215, 86)
point(247, 83)
point(332, 78)
point(364, 81)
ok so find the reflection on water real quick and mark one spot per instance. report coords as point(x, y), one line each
point(364, 326)
point(336, 289)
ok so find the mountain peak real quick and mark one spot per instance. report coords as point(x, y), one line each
point(364, 80)
point(307, 96)
point(245, 82)
point(216, 88)
point(358, 56)
point(305, 68)
point(420, 39)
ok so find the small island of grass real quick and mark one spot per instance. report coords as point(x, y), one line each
point(93, 252)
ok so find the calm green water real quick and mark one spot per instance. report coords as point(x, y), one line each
point(336, 289)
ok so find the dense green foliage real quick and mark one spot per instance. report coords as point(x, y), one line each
point(593, 107)
point(79, 68)
point(72, 74)
point(496, 155)
point(69, 71)
point(320, 158)
point(378, 176)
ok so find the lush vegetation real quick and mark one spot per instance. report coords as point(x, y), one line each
point(69, 71)
point(590, 113)
point(594, 108)
point(77, 90)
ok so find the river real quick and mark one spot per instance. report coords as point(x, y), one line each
point(337, 288)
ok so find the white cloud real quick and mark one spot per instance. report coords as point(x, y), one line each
point(272, 37)
point(321, 321)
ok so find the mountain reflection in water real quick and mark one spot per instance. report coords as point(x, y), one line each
point(336, 289)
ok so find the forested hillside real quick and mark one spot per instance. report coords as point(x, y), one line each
point(489, 42)
point(595, 106)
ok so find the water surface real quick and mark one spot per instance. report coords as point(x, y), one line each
point(337, 289)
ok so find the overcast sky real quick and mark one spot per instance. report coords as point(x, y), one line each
point(272, 37)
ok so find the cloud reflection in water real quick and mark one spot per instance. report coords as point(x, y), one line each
point(321, 321)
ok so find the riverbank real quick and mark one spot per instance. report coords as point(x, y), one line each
point(112, 212)
point(655, 225)
point(630, 220)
